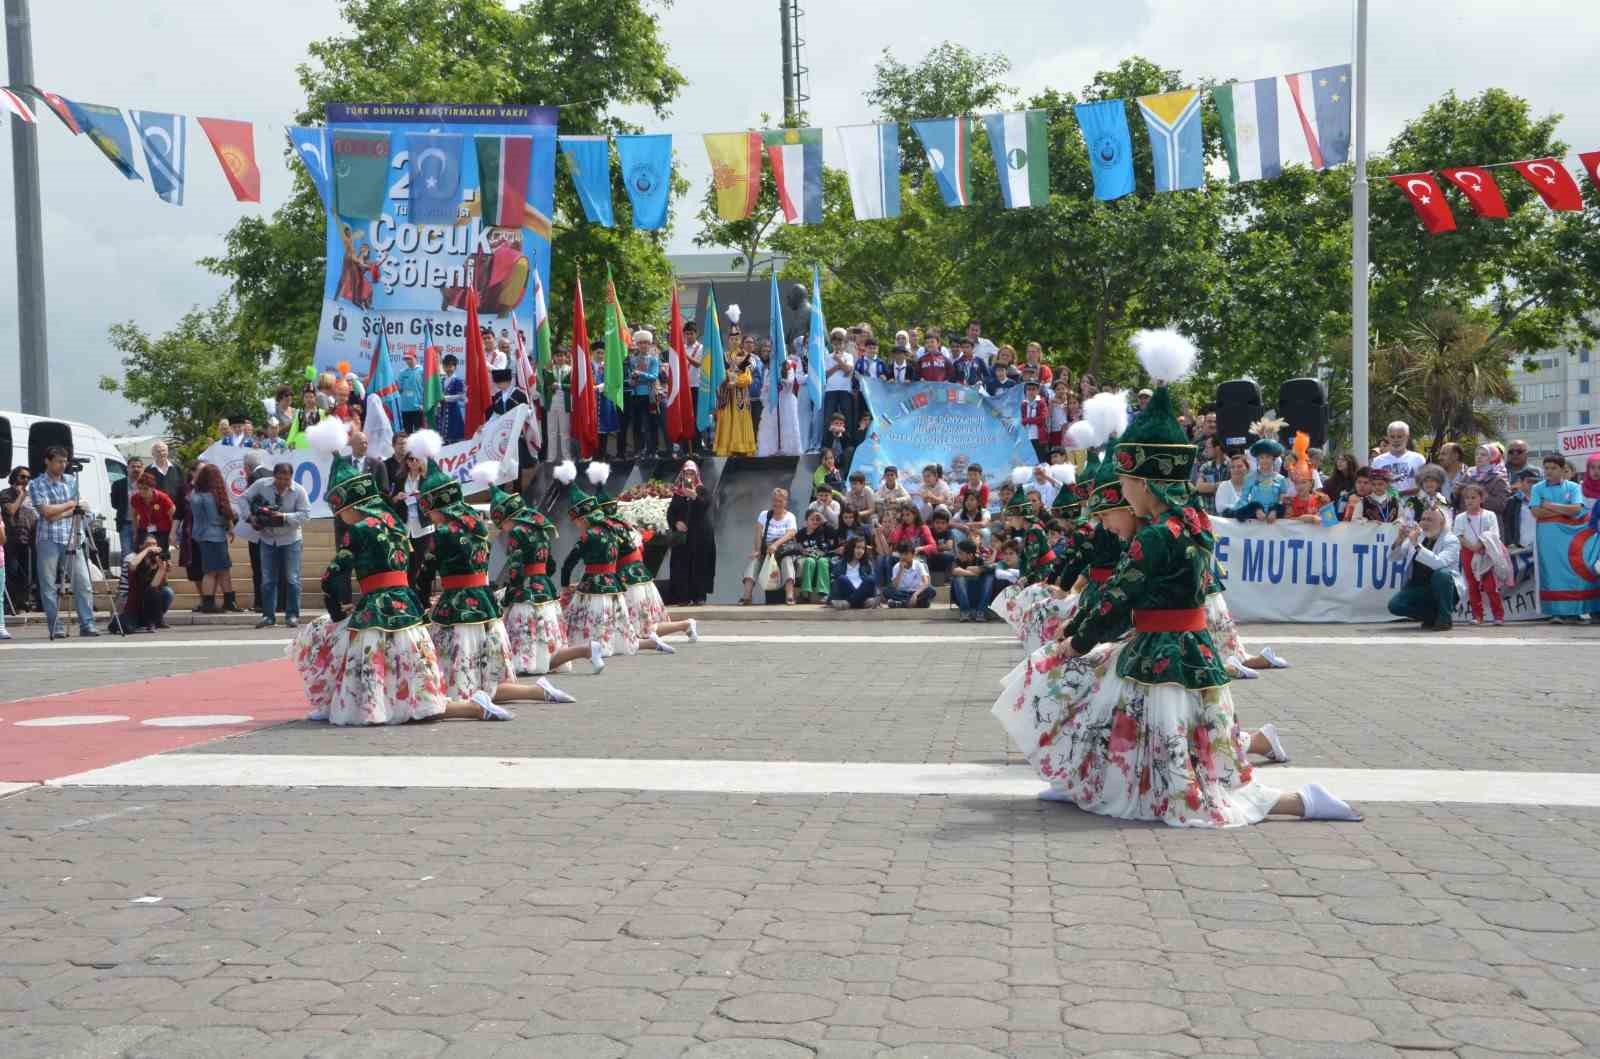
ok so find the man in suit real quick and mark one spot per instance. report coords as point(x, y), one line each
point(1432, 557)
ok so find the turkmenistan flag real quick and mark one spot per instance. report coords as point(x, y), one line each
point(1019, 143)
point(541, 339)
point(432, 373)
point(618, 341)
point(504, 165)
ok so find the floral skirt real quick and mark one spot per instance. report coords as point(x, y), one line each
point(318, 653)
point(474, 657)
point(1007, 602)
point(604, 620)
point(1219, 623)
point(536, 631)
point(385, 678)
point(1128, 750)
point(645, 609)
point(1043, 618)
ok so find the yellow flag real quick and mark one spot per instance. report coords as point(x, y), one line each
point(735, 172)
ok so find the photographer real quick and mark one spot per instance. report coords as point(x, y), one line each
point(62, 535)
point(278, 508)
point(142, 592)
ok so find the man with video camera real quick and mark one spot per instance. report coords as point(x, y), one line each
point(62, 535)
point(278, 508)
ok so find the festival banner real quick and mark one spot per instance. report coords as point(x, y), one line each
point(393, 271)
point(1303, 572)
point(496, 441)
point(918, 423)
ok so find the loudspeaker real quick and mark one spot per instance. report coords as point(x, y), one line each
point(1238, 405)
point(5, 445)
point(46, 434)
point(1304, 404)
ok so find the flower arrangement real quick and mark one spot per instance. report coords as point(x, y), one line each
point(655, 488)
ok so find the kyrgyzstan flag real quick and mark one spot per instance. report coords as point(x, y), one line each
point(479, 393)
point(680, 413)
point(1553, 183)
point(235, 144)
point(504, 165)
point(585, 412)
point(1427, 200)
point(1480, 188)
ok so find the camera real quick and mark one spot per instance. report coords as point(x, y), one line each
point(263, 515)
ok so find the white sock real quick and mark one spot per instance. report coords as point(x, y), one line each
point(597, 655)
point(553, 693)
point(694, 630)
point(1322, 805)
point(1054, 794)
point(1277, 753)
point(661, 645)
point(1242, 671)
point(1272, 656)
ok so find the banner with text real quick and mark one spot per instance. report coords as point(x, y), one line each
point(411, 268)
point(918, 423)
point(1304, 572)
point(496, 441)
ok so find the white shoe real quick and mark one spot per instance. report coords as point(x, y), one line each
point(1276, 752)
point(553, 693)
point(694, 630)
point(4, 635)
point(1243, 672)
point(661, 645)
point(597, 655)
point(1472, 621)
point(1054, 794)
point(492, 711)
point(1272, 656)
point(1322, 805)
point(317, 715)
point(1499, 621)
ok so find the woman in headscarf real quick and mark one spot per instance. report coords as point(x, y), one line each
point(694, 551)
point(1489, 472)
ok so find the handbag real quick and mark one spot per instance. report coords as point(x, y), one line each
point(769, 577)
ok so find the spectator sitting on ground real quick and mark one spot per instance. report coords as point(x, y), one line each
point(890, 495)
point(1432, 558)
point(974, 484)
point(907, 528)
point(933, 493)
point(854, 586)
point(971, 581)
point(143, 595)
point(943, 556)
point(813, 567)
point(907, 584)
point(837, 440)
point(827, 473)
point(1008, 565)
point(971, 521)
point(860, 499)
point(826, 505)
point(1401, 463)
point(850, 529)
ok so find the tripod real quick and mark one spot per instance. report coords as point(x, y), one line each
point(77, 540)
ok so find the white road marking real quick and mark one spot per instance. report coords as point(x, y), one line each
point(783, 777)
point(137, 645)
point(64, 722)
point(199, 720)
point(12, 788)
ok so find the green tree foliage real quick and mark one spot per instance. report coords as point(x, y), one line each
point(1441, 374)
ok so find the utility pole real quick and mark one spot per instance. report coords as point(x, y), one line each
point(786, 31)
point(1360, 435)
point(33, 352)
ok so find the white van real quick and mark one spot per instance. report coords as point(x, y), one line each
point(102, 464)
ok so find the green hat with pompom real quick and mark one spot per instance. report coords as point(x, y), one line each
point(1107, 493)
point(1155, 447)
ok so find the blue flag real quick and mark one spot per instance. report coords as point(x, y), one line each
point(109, 132)
point(1173, 119)
point(1332, 89)
point(382, 382)
point(311, 147)
point(165, 150)
point(1105, 131)
point(817, 348)
point(434, 165)
point(780, 345)
point(945, 141)
point(713, 362)
point(589, 166)
point(647, 175)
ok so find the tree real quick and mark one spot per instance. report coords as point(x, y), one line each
point(198, 372)
point(1441, 373)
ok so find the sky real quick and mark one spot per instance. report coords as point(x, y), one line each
point(114, 253)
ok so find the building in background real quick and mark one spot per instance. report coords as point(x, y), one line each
point(1562, 390)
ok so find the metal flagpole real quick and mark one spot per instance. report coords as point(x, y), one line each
point(1359, 281)
point(33, 355)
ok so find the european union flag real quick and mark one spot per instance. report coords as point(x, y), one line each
point(109, 131)
point(435, 169)
point(1105, 131)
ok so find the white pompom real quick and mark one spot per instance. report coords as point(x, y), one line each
point(1166, 355)
point(598, 472)
point(732, 313)
point(1107, 413)
point(330, 434)
point(425, 445)
point(485, 473)
point(1083, 435)
point(1021, 475)
point(1063, 473)
point(566, 472)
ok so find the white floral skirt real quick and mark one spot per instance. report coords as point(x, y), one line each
point(1043, 617)
point(1132, 751)
point(1005, 604)
point(537, 631)
point(1224, 634)
point(385, 677)
point(474, 657)
point(645, 608)
point(318, 652)
point(602, 619)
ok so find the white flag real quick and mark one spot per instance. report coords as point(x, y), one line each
point(872, 163)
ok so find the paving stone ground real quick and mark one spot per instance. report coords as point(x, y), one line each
point(160, 923)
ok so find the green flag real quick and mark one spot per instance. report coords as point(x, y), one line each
point(432, 375)
point(619, 340)
point(541, 339)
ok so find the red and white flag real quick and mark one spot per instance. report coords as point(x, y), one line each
point(585, 412)
point(1427, 200)
point(1591, 165)
point(1553, 183)
point(1480, 188)
point(18, 106)
point(528, 382)
point(680, 412)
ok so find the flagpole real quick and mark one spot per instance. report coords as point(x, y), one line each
point(33, 350)
point(1359, 282)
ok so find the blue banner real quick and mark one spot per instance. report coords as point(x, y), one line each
point(918, 423)
point(435, 177)
point(1105, 131)
point(647, 174)
point(311, 147)
point(588, 160)
point(393, 276)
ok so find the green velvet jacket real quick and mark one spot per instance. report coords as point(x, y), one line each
point(378, 544)
point(599, 546)
point(1166, 567)
point(530, 543)
point(1035, 546)
point(1103, 552)
point(1073, 555)
point(461, 546)
point(629, 538)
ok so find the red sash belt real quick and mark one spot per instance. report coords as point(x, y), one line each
point(1101, 574)
point(534, 569)
point(464, 581)
point(635, 556)
point(599, 568)
point(1184, 619)
point(390, 579)
point(1048, 557)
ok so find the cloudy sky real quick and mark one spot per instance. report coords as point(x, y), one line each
point(113, 252)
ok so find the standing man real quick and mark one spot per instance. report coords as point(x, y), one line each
point(121, 492)
point(60, 538)
point(1517, 461)
point(169, 476)
point(932, 365)
point(982, 348)
point(369, 464)
point(558, 422)
point(1403, 464)
point(838, 387)
point(410, 385)
point(695, 353)
point(639, 399)
point(278, 508)
point(453, 409)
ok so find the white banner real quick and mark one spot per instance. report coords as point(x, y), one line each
point(1576, 443)
point(496, 441)
point(1305, 572)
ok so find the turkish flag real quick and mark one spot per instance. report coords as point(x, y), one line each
point(585, 414)
point(1481, 190)
point(480, 395)
point(1427, 200)
point(1591, 165)
point(235, 144)
point(1553, 183)
point(680, 412)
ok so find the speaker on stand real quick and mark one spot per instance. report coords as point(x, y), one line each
point(1238, 405)
point(1303, 403)
point(44, 435)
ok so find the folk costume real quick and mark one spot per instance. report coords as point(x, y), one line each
point(596, 611)
point(1034, 544)
point(1045, 606)
point(735, 432)
point(535, 626)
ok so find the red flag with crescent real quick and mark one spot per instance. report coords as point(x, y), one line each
point(1427, 200)
point(1478, 185)
point(680, 412)
point(1553, 183)
point(1591, 165)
